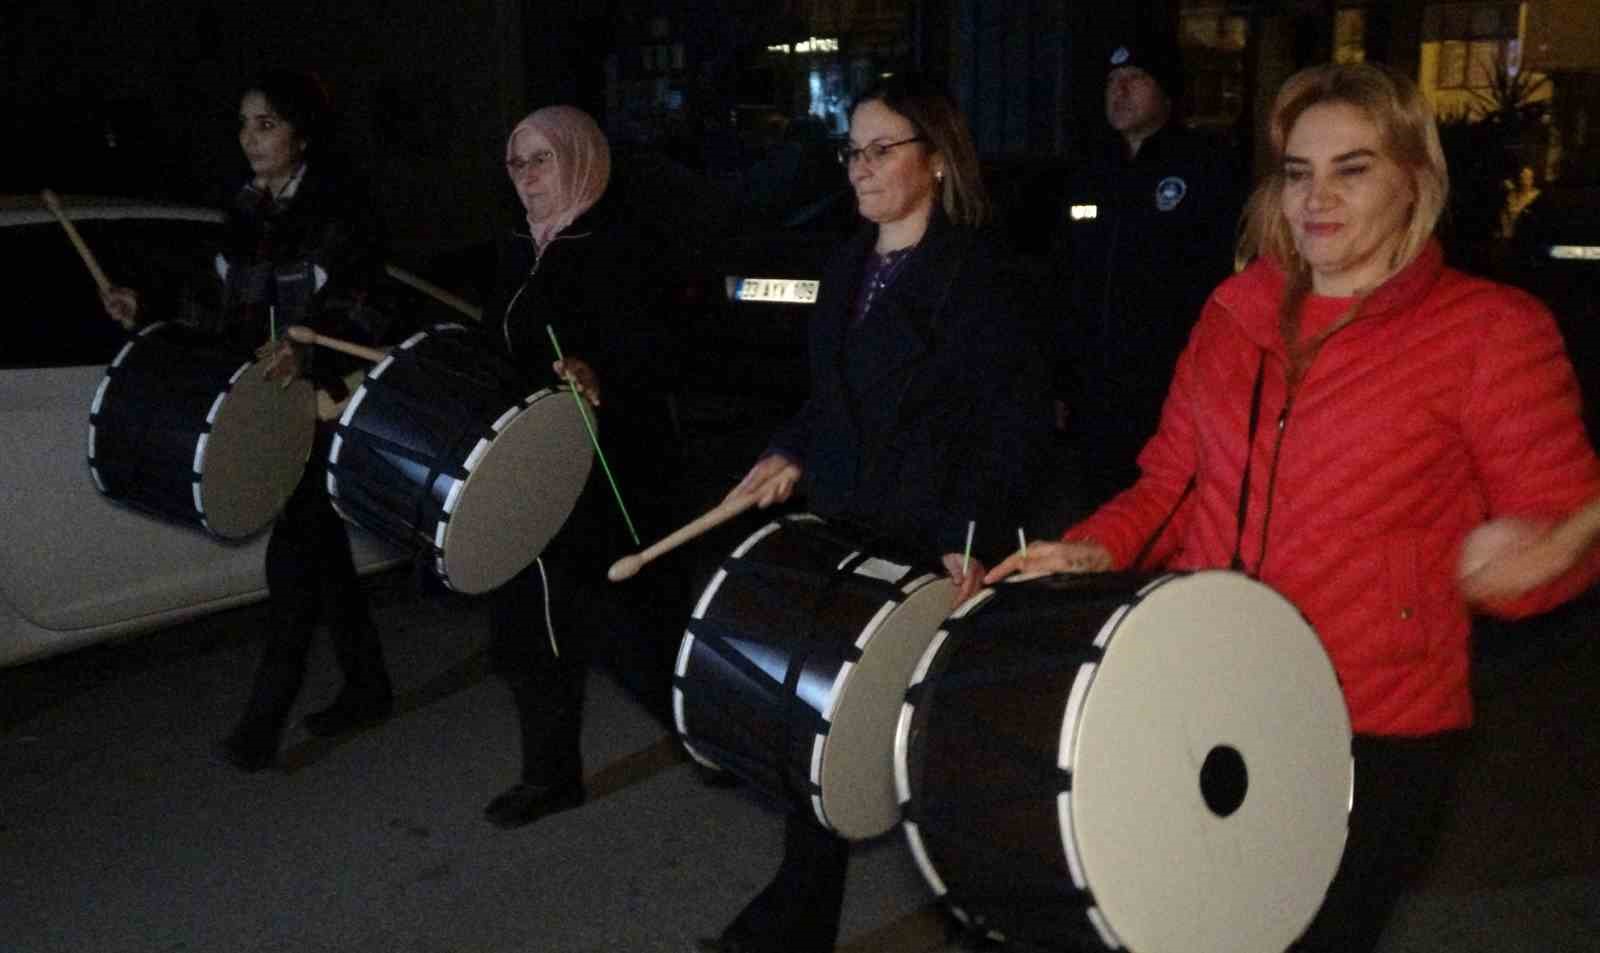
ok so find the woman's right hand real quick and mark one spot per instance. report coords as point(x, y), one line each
point(772, 480)
point(1044, 558)
point(122, 305)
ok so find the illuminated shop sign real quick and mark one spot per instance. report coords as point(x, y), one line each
point(816, 44)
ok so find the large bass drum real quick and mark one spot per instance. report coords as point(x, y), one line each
point(188, 429)
point(1160, 765)
point(794, 664)
point(443, 447)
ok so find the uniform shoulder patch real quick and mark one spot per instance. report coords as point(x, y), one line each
point(1169, 192)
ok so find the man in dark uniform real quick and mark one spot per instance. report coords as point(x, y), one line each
point(1147, 232)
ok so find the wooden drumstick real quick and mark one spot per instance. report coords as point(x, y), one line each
point(435, 292)
point(625, 567)
point(53, 203)
point(304, 335)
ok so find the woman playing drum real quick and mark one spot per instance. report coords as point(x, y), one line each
point(1347, 416)
point(583, 275)
point(302, 246)
point(926, 409)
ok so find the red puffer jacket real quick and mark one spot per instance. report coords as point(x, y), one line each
point(1447, 401)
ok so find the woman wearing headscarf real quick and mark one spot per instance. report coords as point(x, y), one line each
point(579, 270)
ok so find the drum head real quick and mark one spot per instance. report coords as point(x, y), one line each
point(858, 792)
point(518, 495)
point(1211, 772)
point(255, 453)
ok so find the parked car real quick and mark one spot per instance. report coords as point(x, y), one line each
point(78, 568)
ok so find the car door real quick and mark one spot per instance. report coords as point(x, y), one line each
point(77, 567)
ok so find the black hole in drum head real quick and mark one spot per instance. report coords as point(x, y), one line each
point(1223, 780)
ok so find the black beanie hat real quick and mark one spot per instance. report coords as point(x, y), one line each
point(1154, 52)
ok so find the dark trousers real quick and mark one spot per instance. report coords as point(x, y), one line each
point(560, 614)
point(1402, 786)
point(798, 912)
point(311, 578)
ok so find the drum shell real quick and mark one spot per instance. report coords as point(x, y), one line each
point(186, 428)
point(990, 769)
point(778, 672)
point(427, 425)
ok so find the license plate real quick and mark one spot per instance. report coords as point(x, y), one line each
point(782, 290)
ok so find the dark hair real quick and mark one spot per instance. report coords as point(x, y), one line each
point(944, 131)
point(300, 99)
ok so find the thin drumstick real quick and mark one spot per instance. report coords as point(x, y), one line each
point(304, 335)
point(53, 203)
point(627, 566)
point(435, 292)
point(594, 439)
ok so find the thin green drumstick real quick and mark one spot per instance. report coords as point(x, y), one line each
point(583, 411)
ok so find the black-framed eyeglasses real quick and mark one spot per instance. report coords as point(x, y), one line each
point(516, 165)
point(872, 152)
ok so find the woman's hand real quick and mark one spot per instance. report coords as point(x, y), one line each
point(968, 583)
point(122, 305)
point(1043, 558)
point(281, 359)
point(772, 480)
point(581, 376)
point(1505, 558)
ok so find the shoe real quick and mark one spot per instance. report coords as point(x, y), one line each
point(348, 713)
point(526, 803)
point(245, 754)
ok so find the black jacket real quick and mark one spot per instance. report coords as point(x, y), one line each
point(601, 287)
point(946, 420)
point(1146, 240)
point(272, 253)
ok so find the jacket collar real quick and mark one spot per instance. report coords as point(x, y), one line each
point(594, 218)
point(1252, 297)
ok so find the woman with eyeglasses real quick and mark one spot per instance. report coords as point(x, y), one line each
point(1390, 443)
point(577, 269)
point(303, 245)
point(928, 406)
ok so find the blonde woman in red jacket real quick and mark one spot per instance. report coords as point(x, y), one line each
point(1384, 440)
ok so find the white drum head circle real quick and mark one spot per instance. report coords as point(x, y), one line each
point(518, 494)
point(857, 775)
point(1212, 689)
point(255, 453)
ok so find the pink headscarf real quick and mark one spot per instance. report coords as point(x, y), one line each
point(583, 164)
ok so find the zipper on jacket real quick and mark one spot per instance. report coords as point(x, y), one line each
point(1272, 481)
point(505, 319)
point(1277, 445)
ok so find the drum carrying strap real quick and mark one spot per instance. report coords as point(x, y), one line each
point(1237, 562)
